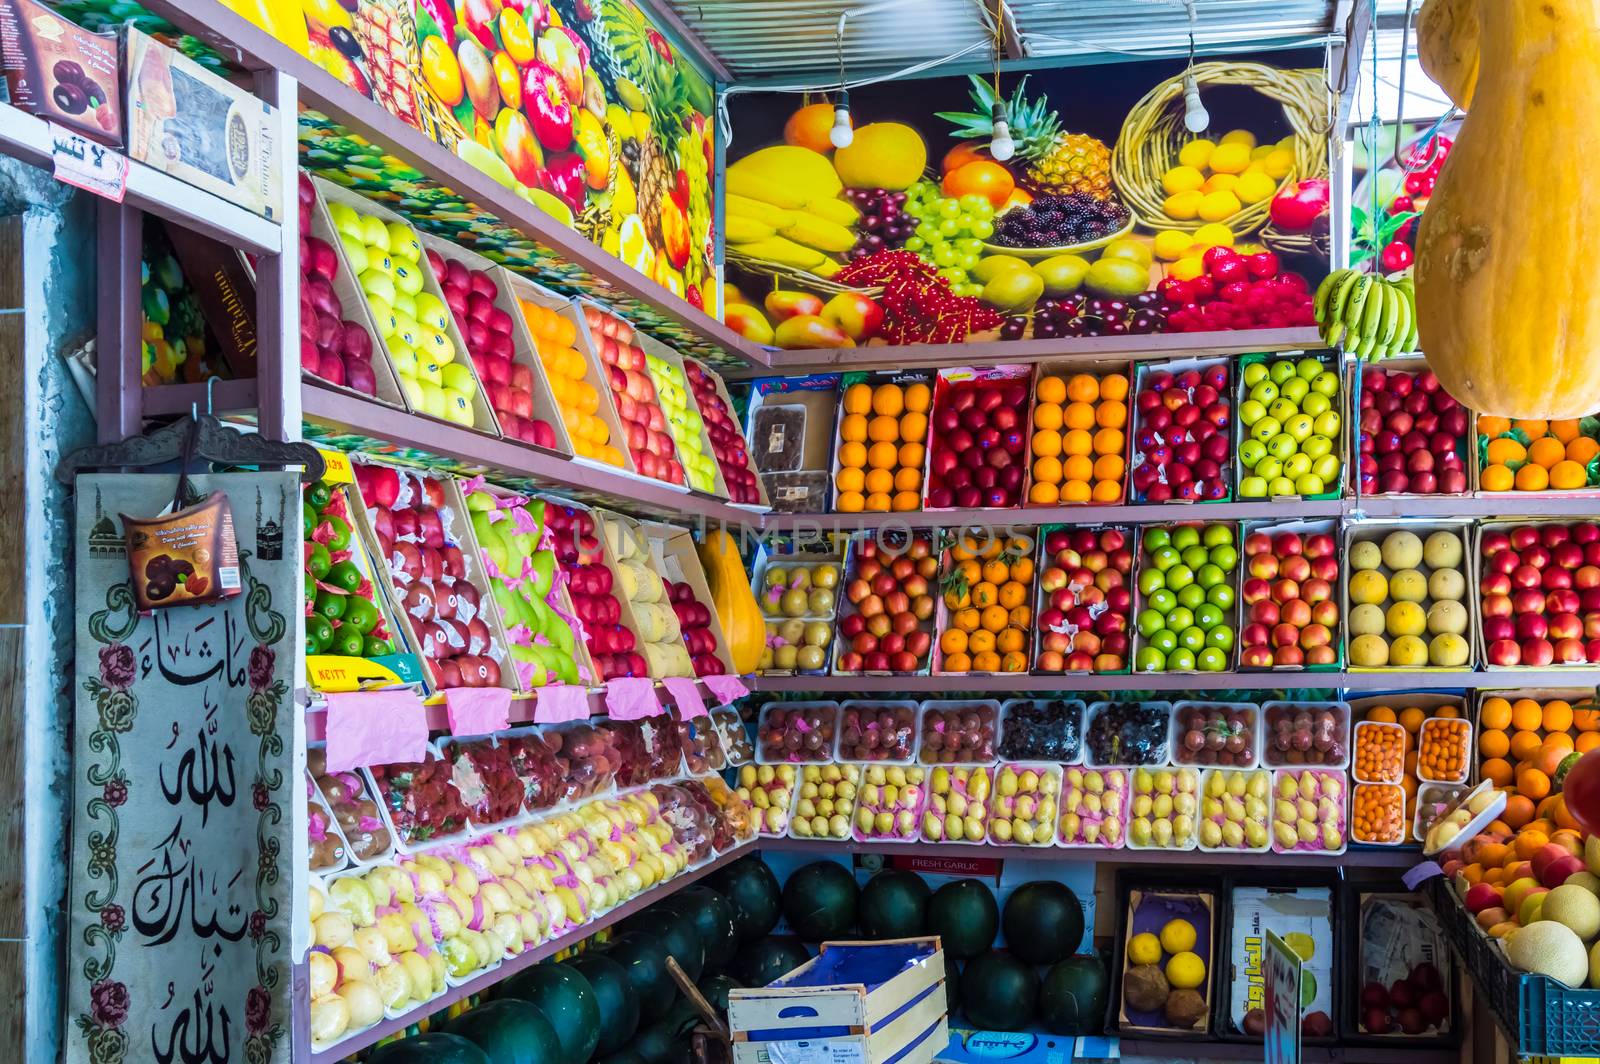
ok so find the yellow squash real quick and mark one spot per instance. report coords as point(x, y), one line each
point(1447, 46)
point(731, 597)
point(1507, 308)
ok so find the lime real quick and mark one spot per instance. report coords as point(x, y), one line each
point(1144, 949)
point(347, 574)
point(318, 494)
point(319, 633)
point(340, 539)
point(373, 647)
point(331, 604)
point(1178, 936)
point(308, 521)
point(311, 588)
point(360, 614)
point(346, 641)
point(317, 560)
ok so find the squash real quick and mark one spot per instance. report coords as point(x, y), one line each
point(1447, 46)
point(731, 597)
point(1506, 310)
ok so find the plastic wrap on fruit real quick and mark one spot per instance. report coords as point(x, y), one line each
point(701, 743)
point(664, 755)
point(483, 775)
point(1041, 731)
point(691, 828)
point(1128, 733)
point(422, 802)
point(326, 849)
point(535, 766)
point(633, 759)
point(735, 737)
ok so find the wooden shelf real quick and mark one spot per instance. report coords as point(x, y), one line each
point(1365, 857)
point(1410, 680)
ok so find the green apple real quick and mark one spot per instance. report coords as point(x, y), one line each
point(457, 376)
point(1192, 597)
point(1185, 536)
point(409, 332)
point(1194, 557)
point(1165, 559)
point(1327, 467)
point(1308, 368)
point(411, 388)
point(382, 315)
point(1179, 618)
point(1179, 577)
point(1250, 412)
point(1218, 536)
point(1266, 428)
point(1265, 392)
point(1155, 539)
point(1252, 451)
point(430, 372)
point(1282, 409)
point(1254, 373)
point(1281, 446)
point(1315, 446)
point(1181, 660)
point(1151, 581)
point(1224, 556)
point(404, 359)
point(1294, 389)
point(431, 311)
point(1326, 383)
point(355, 253)
point(1209, 575)
point(1280, 486)
point(1269, 467)
point(1281, 371)
point(375, 232)
point(408, 277)
point(1309, 484)
point(1300, 426)
point(457, 407)
point(1327, 423)
point(432, 398)
point(404, 243)
point(435, 344)
point(404, 306)
point(1163, 600)
point(1296, 466)
point(1314, 403)
point(377, 283)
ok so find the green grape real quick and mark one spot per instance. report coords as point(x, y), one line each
point(949, 208)
point(944, 255)
point(981, 230)
point(971, 203)
point(968, 290)
point(984, 209)
point(968, 262)
point(953, 275)
point(948, 227)
point(929, 232)
point(969, 246)
point(915, 243)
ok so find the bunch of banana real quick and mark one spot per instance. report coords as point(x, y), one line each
point(1368, 316)
point(782, 205)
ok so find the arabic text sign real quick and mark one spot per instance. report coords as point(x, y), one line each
point(184, 789)
point(82, 163)
point(1282, 1005)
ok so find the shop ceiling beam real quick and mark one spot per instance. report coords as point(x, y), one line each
point(999, 11)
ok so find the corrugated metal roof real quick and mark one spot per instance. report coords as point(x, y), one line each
point(1049, 27)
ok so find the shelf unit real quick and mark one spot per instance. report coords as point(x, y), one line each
point(1366, 857)
point(1382, 680)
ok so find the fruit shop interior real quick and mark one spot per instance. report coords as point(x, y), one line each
point(1016, 488)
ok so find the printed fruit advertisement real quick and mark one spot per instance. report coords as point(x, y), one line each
point(582, 107)
point(1109, 217)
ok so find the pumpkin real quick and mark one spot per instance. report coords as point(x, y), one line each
point(1506, 316)
point(1447, 47)
point(733, 600)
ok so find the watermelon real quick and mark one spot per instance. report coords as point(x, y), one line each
point(998, 992)
point(964, 916)
point(894, 904)
point(1043, 922)
point(952, 988)
point(435, 1047)
point(1072, 998)
point(644, 960)
point(752, 890)
point(714, 988)
point(657, 1045)
point(759, 963)
point(509, 1031)
point(622, 1056)
point(819, 901)
point(567, 1001)
point(678, 935)
point(619, 1006)
point(712, 917)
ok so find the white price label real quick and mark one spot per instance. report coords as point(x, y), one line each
point(85, 164)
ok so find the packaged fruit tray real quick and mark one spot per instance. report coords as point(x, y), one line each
point(1024, 804)
point(745, 487)
point(1538, 585)
point(1289, 597)
point(1182, 437)
point(1379, 752)
point(791, 430)
point(586, 758)
point(789, 590)
point(985, 620)
point(326, 850)
point(1377, 812)
point(1127, 734)
point(647, 608)
point(1041, 729)
point(624, 366)
point(1414, 574)
point(887, 614)
point(1535, 459)
point(701, 743)
point(890, 803)
point(1289, 445)
point(1235, 810)
point(1094, 808)
point(1079, 449)
point(825, 805)
point(597, 596)
point(348, 796)
point(1315, 734)
point(736, 744)
point(408, 312)
point(421, 805)
point(959, 732)
point(534, 760)
point(1216, 733)
point(1167, 962)
point(797, 732)
point(485, 777)
point(877, 731)
point(1434, 800)
point(673, 555)
point(1178, 565)
point(1164, 804)
point(1444, 750)
point(1084, 605)
point(1412, 437)
point(958, 804)
point(564, 359)
point(1309, 811)
point(881, 441)
point(978, 439)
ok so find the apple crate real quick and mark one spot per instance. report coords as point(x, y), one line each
point(1065, 370)
point(1355, 532)
point(341, 283)
point(888, 547)
point(714, 382)
point(790, 443)
point(1153, 455)
point(874, 380)
point(811, 555)
point(953, 430)
point(854, 1003)
point(673, 554)
point(1364, 383)
point(1340, 449)
point(1315, 592)
point(613, 528)
point(1548, 558)
point(1056, 628)
point(690, 427)
point(1232, 615)
point(397, 331)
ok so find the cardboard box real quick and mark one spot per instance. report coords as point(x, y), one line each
point(790, 444)
point(1339, 405)
point(1375, 531)
point(1302, 915)
point(874, 379)
point(1465, 443)
point(1148, 905)
point(1329, 528)
point(60, 71)
point(762, 503)
point(225, 287)
point(938, 442)
point(1138, 422)
point(672, 551)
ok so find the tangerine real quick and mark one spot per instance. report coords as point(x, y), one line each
point(1083, 388)
point(853, 453)
point(914, 427)
point(917, 398)
point(1411, 719)
point(953, 641)
point(1557, 715)
point(907, 478)
point(960, 155)
point(1527, 715)
point(905, 501)
point(1566, 430)
point(1524, 745)
point(851, 502)
point(1108, 467)
point(1546, 451)
point(1566, 475)
point(1506, 451)
point(1497, 478)
point(879, 481)
point(882, 455)
point(1493, 425)
point(878, 502)
point(1532, 783)
point(911, 455)
point(809, 127)
point(1047, 443)
point(1583, 450)
point(1533, 477)
point(980, 177)
point(1051, 390)
point(1587, 741)
point(1013, 594)
point(1532, 428)
point(1495, 713)
point(1108, 441)
point(957, 663)
point(1109, 415)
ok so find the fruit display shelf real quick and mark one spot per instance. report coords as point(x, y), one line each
point(389, 1027)
point(1385, 857)
point(1387, 680)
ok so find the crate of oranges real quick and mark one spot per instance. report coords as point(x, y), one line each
point(1408, 711)
point(1079, 446)
point(881, 441)
point(985, 602)
point(1537, 456)
point(584, 416)
point(1525, 739)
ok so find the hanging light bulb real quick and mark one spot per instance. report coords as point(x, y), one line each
point(1195, 117)
point(1001, 146)
point(842, 132)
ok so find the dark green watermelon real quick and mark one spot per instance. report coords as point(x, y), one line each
point(509, 1031)
point(964, 916)
point(619, 1005)
point(952, 988)
point(644, 960)
point(678, 935)
point(1072, 998)
point(894, 904)
point(819, 901)
point(752, 890)
point(656, 1045)
point(714, 988)
point(998, 992)
point(759, 963)
point(435, 1047)
point(712, 917)
point(567, 1001)
point(1043, 922)
point(622, 1056)
point(681, 1020)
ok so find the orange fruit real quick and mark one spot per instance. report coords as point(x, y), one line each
point(850, 479)
point(851, 502)
point(1586, 720)
point(1497, 771)
point(1448, 712)
point(984, 594)
point(1051, 390)
point(1076, 491)
point(1524, 744)
point(1078, 467)
point(1013, 594)
point(1587, 741)
point(1015, 661)
point(905, 501)
point(965, 619)
point(1557, 715)
point(1496, 478)
point(996, 572)
point(1495, 713)
point(878, 502)
point(1047, 416)
point(1560, 742)
point(1077, 441)
point(1047, 443)
point(907, 478)
point(953, 641)
point(1531, 783)
point(1108, 491)
point(883, 429)
point(963, 153)
point(1506, 452)
point(1411, 719)
point(858, 399)
point(981, 641)
point(853, 428)
point(1381, 714)
point(879, 481)
point(1494, 743)
point(1530, 840)
point(1022, 570)
point(993, 618)
point(809, 127)
point(986, 661)
point(914, 427)
point(1109, 415)
point(1010, 640)
point(1047, 471)
point(1108, 467)
point(1021, 616)
point(1083, 388)
point(1583, 450)
point(1532, 428)
point(1566, 475)
point(981, 177)
point(1566, 430)
point(1493, 425)
point(883, 455)
point(853, 454)
point(1043, 494)
point(1532, 477)
point(1108, 441)
point(1546, 451)
point(910, 455)
point(1114, 386)
point(917, 397)
point(1527, 715)
point(889, 400)
point(957, 663)
point(1079, 416)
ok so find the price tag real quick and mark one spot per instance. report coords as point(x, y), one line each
point(375, 728)
point(84, 164)
point(686, 696)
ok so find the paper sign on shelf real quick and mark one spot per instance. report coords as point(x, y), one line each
point(686, 696)
point(477, 710)
point(631, 698)
point(1282, 1004)
point(1416, 875)
point(84, 164)
point(726, 688)
point(375, 728)
point(561, 702)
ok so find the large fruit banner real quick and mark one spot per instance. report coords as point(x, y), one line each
point(581, 107)
point(1109, 218)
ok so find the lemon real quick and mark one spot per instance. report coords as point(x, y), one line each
point(1186, 971)
point(1368, 586)
point(1178, 936)
point(1213, 234)
point(1278, 163)
point(1182, 179)
point(1255, 187)
point(1187, 269)
point(1238, 136)
point(1220, 183)
point(1261, 151)
point(1230, 158)
point(1172, 244)
point(1196, 153)
point(1304, 946)
point(1219, 205)
point(1183, 205)
point(1144, 949)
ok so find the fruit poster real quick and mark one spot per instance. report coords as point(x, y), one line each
point(582, 107)
point(1109, 217)
point(183, 850)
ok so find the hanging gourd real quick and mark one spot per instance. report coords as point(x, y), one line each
point(732, 599)
point(1508, 314)
point(1447, 47)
